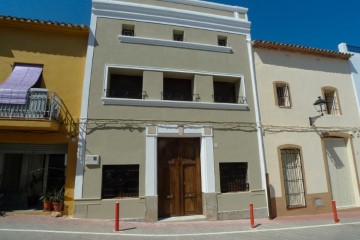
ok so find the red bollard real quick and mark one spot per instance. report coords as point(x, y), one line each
point(336, 219)
point(251, 215)
point(117, 210)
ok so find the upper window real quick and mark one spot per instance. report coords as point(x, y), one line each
point(178, 35)
point(225, 92)
point(120, 181)
point(222, 41)
point(177, 89)
point(293, 177)
point(128, 30)
point(282, 95)
point(233, 177)
point(123, 86)
point(332, 104)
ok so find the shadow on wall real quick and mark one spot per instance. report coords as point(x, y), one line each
point(302, 61)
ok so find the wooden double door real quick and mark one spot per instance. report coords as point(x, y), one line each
point(179, 177)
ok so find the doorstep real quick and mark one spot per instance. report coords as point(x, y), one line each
point(191, 218)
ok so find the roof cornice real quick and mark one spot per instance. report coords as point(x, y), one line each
point(170, 16)
point(300, 49)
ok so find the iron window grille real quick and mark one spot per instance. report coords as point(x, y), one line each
point(224, 92)
point(177, 90)
point(234, 177)
point(332, 106)
point(293, 178)
point(126, 32)
point(283, 95)
point(222, 41)
point(122, 86)
point(178, 37)
point(120, 181)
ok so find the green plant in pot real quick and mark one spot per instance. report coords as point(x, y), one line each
point(46, 198)
point(58, 200)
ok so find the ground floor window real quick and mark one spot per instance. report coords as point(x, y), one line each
point(120, 181)
point(233, 177)
point(293, 177)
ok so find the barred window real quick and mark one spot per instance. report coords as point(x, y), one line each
point(128, 30)
point(120, 181)
point(332, 105)
point(293, 177)
point(177, 89)
point(122, 86)
point(283, 95)
point(233, 177)
point(224, 92)
point(222, 41)
point(178, 35)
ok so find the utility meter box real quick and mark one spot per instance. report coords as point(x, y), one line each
point(92, 160)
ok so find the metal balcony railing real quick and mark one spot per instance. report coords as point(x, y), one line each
point(40, 104)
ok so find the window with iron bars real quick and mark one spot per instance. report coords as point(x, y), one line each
point(178, 35)
point(332, 105)
point(224, 92)
point(128, 30)
point(177, 89)
point(222, 41)
point(283, 94)
point(120, 181)
point(293, 178)
point(233, 177)
point(122, 86)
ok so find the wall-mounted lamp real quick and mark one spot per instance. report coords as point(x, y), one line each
point(318, 104)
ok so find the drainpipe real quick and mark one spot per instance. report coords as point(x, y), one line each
point(258, 121)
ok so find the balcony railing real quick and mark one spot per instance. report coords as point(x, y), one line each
point(40, 104)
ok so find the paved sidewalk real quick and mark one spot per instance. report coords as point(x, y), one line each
point(33, 223)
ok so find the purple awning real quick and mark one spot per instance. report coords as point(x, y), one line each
point(14, 89)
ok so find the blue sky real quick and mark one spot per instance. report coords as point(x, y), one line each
point(314, 23)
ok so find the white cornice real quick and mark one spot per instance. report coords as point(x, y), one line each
point(169, 16)
point(177, 44)
point(173, 104)
point(211, 5)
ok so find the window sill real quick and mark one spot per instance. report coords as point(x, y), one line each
point(177, 44)
point(176, 104)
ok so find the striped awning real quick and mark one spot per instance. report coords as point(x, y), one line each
point(14, 89)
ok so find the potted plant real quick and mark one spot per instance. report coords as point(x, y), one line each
point(58, 200)
point(46, 198)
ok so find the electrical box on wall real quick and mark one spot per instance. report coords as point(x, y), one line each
point(92, 160)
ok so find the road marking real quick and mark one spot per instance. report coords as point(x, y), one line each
point(175, 235)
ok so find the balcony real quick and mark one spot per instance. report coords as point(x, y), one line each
point(42, 110)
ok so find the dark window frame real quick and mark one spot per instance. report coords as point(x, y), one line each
point(128, 30)
point(283, 95)
point(120, 181)
point(234, 177)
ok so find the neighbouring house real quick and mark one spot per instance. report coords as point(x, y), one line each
point(41, 75)
point(354, 63)
point(169, 121)
point(309, 164)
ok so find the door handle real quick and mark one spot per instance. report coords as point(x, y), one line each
point(170, 196)
point(189, 195)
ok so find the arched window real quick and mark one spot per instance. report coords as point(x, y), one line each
point(282, 92)
point(332, 100)
point(293, 177)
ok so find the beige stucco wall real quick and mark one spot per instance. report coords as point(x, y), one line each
point(306, 76)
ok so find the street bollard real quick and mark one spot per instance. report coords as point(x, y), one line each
point(117, 210)
point(251, 215)
point(336, 219)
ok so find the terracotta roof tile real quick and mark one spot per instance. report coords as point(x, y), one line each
point(300, 49)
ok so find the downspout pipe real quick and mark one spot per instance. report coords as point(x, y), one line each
point(258, 120)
